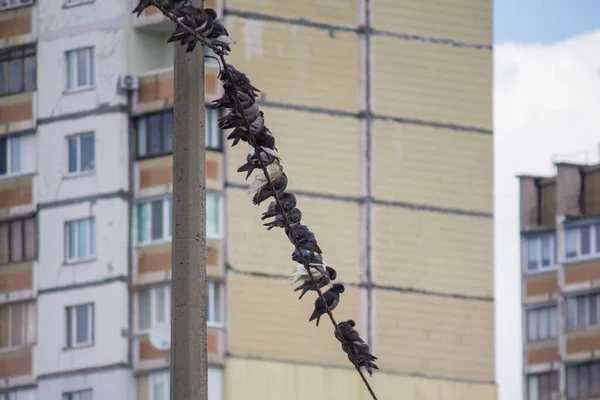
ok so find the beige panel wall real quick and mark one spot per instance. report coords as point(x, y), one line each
point(433, 166)
point(432, 82)
point(460, 20)
point(433, 251)
point(320, 153)
point(337, 12)
point(252, 248)
point(264, 380)
point(143, 388)
point(435, 336)
point(267, 320)
point(297, 65)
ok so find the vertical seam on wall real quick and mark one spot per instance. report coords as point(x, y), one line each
point(369, 151)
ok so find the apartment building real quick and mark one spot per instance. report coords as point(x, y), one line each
point(360, 113)
point(560, 247)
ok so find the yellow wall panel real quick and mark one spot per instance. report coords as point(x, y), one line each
point(267, 320)
point(433, 335)
point(297, 65)
point(433, 251)
point(267, 380)
point(337, 12)
point(460, 20)
point(143, 388)
point(432, 82)
point(433, 166)
point(319, 153)
point(334, 223)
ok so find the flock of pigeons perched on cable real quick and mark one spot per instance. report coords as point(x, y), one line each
point(248, 124)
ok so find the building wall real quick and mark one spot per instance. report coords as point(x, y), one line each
point(111, 383)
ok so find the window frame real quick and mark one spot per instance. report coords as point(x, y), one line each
point(10, 173)
point(537, 239)
point(571, 305)
point(6, 394)
point(19, 3)
point(76, 394)
point(594, 230)
point(166, 218)
point(72, 314)
point(75, 3)
point(91, 235)
point(8, 55)
point(220, 215)
point(537, 377)
point(90, 70)
point(574, 369)
point(153, 301)
point(77, 137)
point(25, 328)
point(213, 133)
point(163, 376)
point(214, 316)
point(24, 239)
point(536, 311)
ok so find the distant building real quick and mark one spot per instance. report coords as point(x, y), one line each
point(560, 242)
point(382, 112)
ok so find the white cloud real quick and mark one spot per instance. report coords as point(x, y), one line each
point(546, 102)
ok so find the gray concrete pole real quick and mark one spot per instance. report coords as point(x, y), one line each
point(189, 375)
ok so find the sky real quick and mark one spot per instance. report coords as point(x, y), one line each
point(546, 105)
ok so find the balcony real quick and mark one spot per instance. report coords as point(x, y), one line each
point(15, 26)
point(153, 20)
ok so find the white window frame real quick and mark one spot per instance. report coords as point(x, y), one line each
point(76, 395)
point(19, 394)
point(9, 144)
point(153, 313)
point(163, 377)
point(537, 310)
point(213, 133)
point(73, 3)
point(167, 233)
point(220, 217)
point(91, 69)
point(26, 321)
point(538, 242)
point(90, 324)
point(214, 317)
point(594, 250)
point(586, 324)
point(78, 171)
point(6, 4)
point(90, 255)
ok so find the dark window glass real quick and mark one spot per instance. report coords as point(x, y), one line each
point(585, 240)
point(3, 156)
point(87, 152)
point(154, 132)
point(572, 383)
point(593, 307)
point(17, 70)
point(157, 219)
point(30, 239)
point(16, 75)
point(4, 77)
point(16, 241)
point(167, 129)
point(597, 227)
point(595, 379)
point(584, 380)
point(581, 311)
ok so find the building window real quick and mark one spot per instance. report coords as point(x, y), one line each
point(541, 253)
point(16, 324)
point(17, 155)
point(80, 239)
point(155, 133)
point(81, 149)
point(582, 241)
point(10, 4)
point(154, 306)
point(79, 395)
point(80, 325)
point(80, 68)
point(18, 240)
point(72, 3)
point(542, 323)
point(24, 394)
point(582, 311)
point(154, 218)
point(583, 381)
point(17, 70)
point(159, 386)
point(542, 386)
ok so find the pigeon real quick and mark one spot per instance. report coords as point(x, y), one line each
point(236, 120)
point(303, 238)
point(203, 22)
point(275, 171)
point(262, 135)
point(310, 257)
point(279, 184)
point(323, 281)
point(294, 217)
point(237, 80)
point(332, 299)
point(288, 202)
point(227, 101)
point(252, 162)
point(300, 274)
point(356, 348)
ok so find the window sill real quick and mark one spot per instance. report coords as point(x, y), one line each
point(76, 175)
point(12, 176)
point(153, 243)
point(215, 325)
point(541, 271)
point(19, 92)
point(82, 3)
point(78, 262)
point(85, 346)
point(580, 259)
point(14, 348)
point(79, 90)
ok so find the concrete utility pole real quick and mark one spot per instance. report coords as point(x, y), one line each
point(189, 379)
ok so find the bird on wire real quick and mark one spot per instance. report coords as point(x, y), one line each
point(323, 281)
point(332, 299)
point(359, 354)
